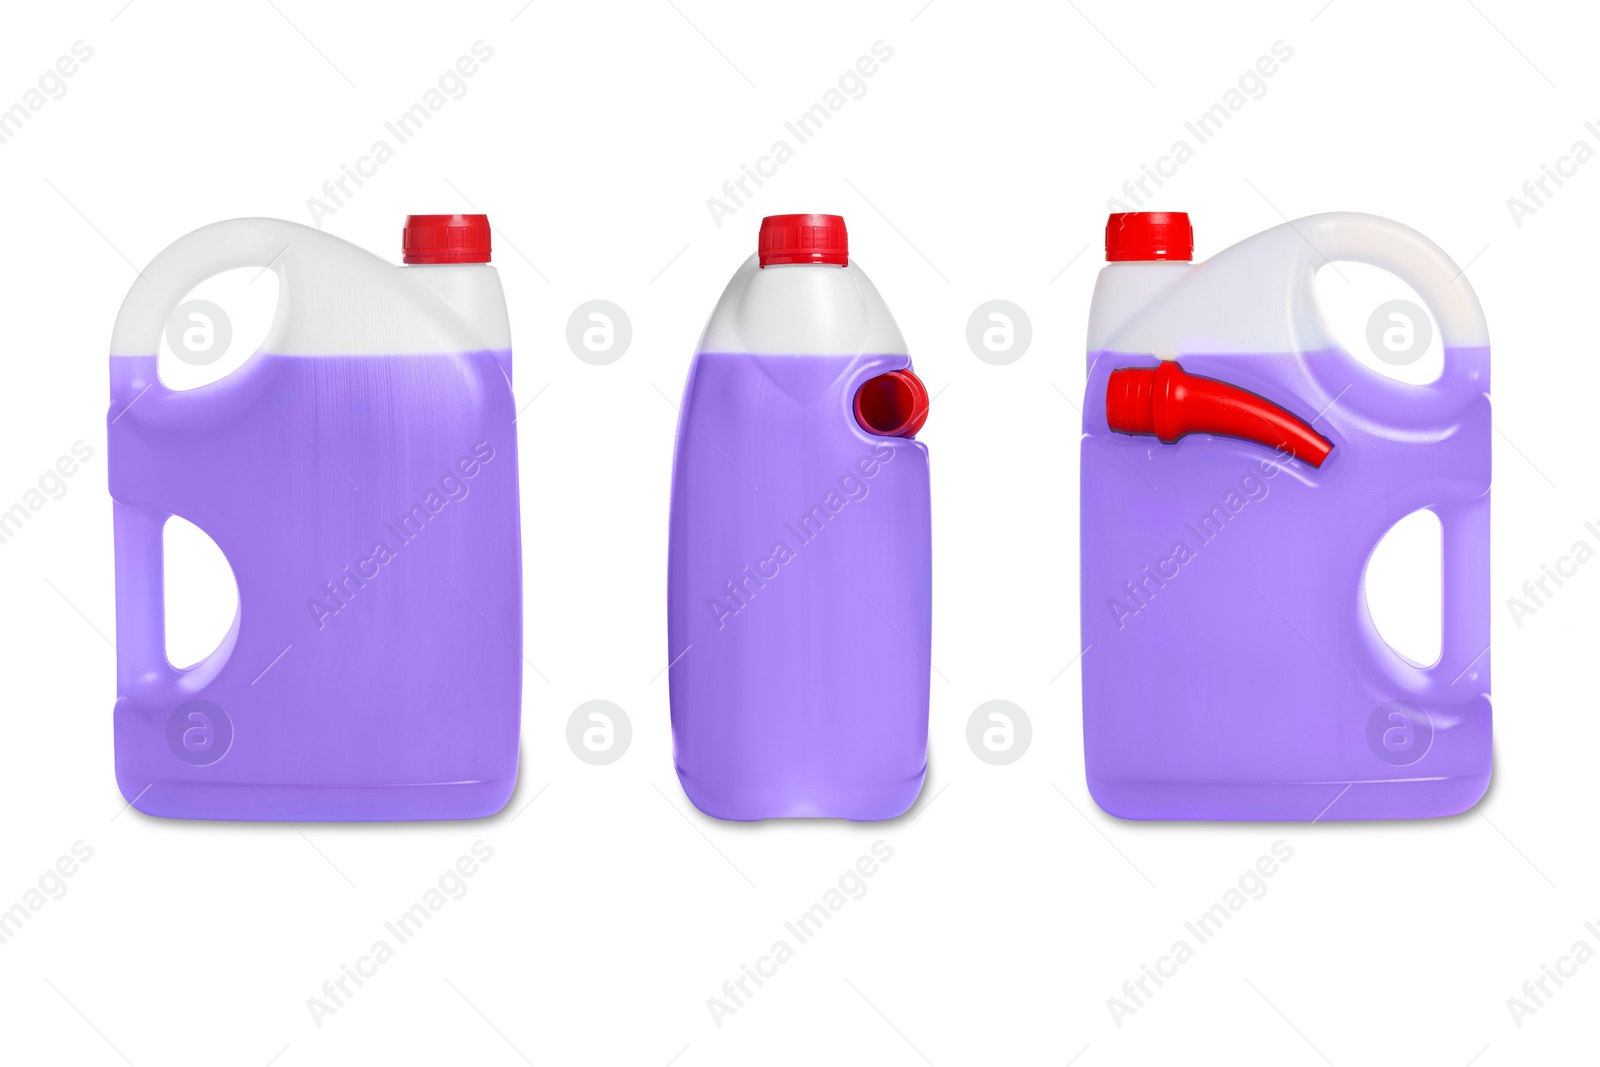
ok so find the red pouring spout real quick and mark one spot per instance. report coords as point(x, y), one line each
point(1167, 402)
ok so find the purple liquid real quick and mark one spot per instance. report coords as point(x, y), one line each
point(400, 697)
point(806, 693)
point(1245, 679)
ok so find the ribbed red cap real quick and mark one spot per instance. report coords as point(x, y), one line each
point(1130, 400)
point(803, 239)
point(446, 239)
point(1134, 235)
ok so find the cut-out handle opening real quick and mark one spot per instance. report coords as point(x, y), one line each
point(216, 327)
point(1403, 587)
point(200, 594)
point(1381, 321)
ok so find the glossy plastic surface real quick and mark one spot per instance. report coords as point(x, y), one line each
point(367, 504)
point(1167, 403)
point(799, 588)
point(1231, 668)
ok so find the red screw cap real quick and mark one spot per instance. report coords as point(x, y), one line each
point(803, 239)
point(892, 405)
point(1135, 235)
point(446, 239)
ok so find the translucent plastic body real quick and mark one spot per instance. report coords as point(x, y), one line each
point(799, 588)
point(367, 503)
point(1232, 669)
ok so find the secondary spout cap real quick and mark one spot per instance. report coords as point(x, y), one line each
point(1167, 402)
point(892, 405)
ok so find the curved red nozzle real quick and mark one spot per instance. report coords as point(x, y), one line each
point(1167, 402)
point(892, 405)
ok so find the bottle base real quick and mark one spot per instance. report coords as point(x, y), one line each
point(875, 803)
point(1411, 798)
point(266, 802)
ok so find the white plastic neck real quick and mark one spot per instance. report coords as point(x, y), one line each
point(801, 309)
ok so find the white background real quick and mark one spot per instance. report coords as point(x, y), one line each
point(978, 165)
